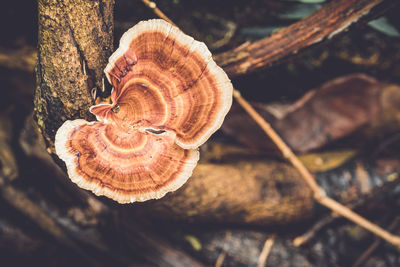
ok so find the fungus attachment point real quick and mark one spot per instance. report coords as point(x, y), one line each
point(115, 109)
point(169, 97)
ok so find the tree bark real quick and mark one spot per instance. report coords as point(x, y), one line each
point(75, 41)
point(262, 193)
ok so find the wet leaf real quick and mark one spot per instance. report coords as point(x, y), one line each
point(300, 11)
point(384, 26)
point(194, 242)
point(259, 32)
point(319, 162)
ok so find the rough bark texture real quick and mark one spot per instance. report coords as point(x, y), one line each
point(331, 19)
point(75, 41)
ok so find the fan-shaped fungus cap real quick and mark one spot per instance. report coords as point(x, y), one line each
point(168, 98)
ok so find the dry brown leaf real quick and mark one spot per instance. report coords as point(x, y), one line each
point(354, 105)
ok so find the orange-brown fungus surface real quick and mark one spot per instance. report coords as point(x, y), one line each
point(168, 98)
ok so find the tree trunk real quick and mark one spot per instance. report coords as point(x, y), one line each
point(75, 42)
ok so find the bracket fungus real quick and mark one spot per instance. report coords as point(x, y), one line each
point(168, 98)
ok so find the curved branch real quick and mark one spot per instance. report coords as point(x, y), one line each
point(331, 19)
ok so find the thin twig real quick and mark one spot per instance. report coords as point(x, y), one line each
point(286, 151)
point(222, 255)
point(375, 244)
point(313, 230)
point(157, 11)
point(304, 238)
point(220, 259)
point(262, 259)
point(319, 193)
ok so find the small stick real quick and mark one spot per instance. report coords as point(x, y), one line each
point(286, 151)
point(262, 259)
point(222, 254)
point(375, 244)
point(319, 193)
point(304, 238)
point(220, 259)
point(157, 11)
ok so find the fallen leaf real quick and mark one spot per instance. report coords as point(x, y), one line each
point(356, 106)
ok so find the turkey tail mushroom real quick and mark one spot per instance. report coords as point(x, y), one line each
point(168, 98)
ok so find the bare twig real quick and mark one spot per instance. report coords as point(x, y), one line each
point(262, 259)
point(375, 244)
point(319, 193)
point(286, 151)
point(304, 238)
point(157, 11)
point(222, 255)
point(220, 259)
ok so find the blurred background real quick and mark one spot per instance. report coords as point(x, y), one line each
point(337, 104)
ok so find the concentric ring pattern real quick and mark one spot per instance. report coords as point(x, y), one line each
point(169, 96)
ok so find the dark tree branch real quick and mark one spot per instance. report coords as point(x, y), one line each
point(328, 21)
